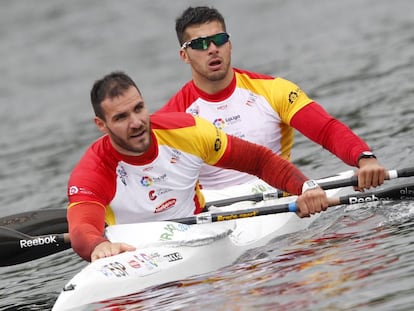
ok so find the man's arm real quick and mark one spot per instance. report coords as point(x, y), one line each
point(260, 161)
point(336, 137)
point(329, 132)
point(86, 227)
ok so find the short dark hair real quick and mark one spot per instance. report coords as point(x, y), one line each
point(110, 86)
point(196, 16)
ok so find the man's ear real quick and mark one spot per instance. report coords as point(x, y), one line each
point(100, 124)
point(184, 56)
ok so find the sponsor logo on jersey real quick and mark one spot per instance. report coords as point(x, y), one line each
point(217, 144)
point(153, 194)
point(146, 181)
point(76, 190)
point(233, 119)
point(122, 174)
point(165, 206)
point(251, 100)
point(73, 190)
point(293, 96)
point(147, 169)
point(219, 123)
point(175, 156)
point(194, 111)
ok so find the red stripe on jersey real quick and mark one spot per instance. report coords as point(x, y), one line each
point(171, 120)
point(253, 75)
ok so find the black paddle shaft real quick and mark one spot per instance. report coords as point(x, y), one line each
point(18, 247)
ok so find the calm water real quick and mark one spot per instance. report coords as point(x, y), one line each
point(355, 57)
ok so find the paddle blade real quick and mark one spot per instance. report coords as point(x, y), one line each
point(17, 247)
point(40, 222)
point(399, 192)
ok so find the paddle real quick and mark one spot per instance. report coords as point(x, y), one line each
point(400, 192)
point(18, 247)
point(42, 222)
point(37, 222)
point(338, 183)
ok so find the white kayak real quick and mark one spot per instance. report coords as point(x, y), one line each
point(169, 251)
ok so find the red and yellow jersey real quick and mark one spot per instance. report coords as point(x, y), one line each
point(254, 107)
point(161, 184)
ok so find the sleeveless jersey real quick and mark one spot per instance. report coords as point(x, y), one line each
point(161, 184)
point(254, 107)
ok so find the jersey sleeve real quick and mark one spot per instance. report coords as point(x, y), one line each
point(193, 135)
point(330, 133)
point(82, 185)
point(286, 98)
point(212, 143)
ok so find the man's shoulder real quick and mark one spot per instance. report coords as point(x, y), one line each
point(252, 75)
point(181, 99)
point(171, 120)
point(96, 154)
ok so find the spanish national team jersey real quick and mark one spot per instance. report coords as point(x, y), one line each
point(161, 184)
point(254, 107)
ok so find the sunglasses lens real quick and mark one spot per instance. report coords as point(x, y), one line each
point(220, 38)
point(203, 43)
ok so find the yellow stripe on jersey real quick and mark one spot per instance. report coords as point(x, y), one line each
point(109, 216)
point(285, 97)
point(203, 140)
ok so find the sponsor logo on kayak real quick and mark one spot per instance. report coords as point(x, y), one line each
point(114, 269)
point(43, 240)
point(170, 230)
point(134, 263)
point(166, 205)
point(147, 260)
point(173, 257)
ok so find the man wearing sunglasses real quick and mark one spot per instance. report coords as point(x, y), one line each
point(253, 106)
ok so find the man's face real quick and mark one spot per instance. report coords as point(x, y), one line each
point(127, 122)
point(208, 65)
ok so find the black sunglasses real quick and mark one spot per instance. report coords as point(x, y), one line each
point(202, 43)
